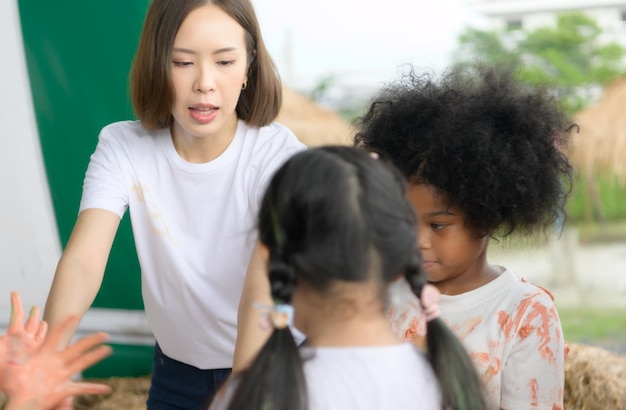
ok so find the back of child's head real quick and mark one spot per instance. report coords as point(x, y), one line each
point(335, 214)
point(487, 142)
point(152, 91)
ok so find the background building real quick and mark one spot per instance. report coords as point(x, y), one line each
point(531, 14)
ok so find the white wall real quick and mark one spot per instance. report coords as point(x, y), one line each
point(29, 241)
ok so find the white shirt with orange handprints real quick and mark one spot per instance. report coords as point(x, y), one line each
point(511, 330)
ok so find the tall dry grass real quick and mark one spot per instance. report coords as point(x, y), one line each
point(600, 146)
point(313, 124)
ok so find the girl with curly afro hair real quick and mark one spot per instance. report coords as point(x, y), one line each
point(481, 153)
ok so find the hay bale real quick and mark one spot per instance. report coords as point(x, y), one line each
point(313, 124)
point(595, 379)
point(128, 393)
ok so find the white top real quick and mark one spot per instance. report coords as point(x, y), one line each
point(513, 334)
point(395, 377)
point(194, 227)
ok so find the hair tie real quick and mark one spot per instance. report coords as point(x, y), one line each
point(278, 316)
point(281, 316)
point(429, 300)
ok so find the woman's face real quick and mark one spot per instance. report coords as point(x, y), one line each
point(209, 67)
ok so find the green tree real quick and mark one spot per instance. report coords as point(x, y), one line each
point(570, 56)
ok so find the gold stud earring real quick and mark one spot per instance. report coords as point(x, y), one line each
point(245, 84)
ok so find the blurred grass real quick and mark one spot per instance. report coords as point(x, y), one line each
point(611, 195)
point(588, 233)
point(612, 231)
point(600, 327)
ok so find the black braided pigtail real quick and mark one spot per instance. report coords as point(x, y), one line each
point(460, 385)
point(275, 380)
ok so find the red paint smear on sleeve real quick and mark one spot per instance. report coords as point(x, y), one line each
point(534, 389)
point(547, 292)
point(559, 406)
point(543, 330)
point(523, 324)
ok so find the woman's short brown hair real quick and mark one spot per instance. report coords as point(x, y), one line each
point(152, 91)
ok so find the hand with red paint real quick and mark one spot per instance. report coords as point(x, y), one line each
point(36, 373)
point(20, 339)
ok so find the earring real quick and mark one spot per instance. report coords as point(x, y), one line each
point(245, 85)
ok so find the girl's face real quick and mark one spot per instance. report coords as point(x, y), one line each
point(454, 256)
point(209, 66)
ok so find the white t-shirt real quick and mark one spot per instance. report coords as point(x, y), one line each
point(194, 227)
point(511, 330)
point(395, 377)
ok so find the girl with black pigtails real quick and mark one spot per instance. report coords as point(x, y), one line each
point(336, 228)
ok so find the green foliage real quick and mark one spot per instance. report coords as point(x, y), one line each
point(322, 87)
point(487, 46)
point(595, 233)
point(611, 199)
point(568, 57)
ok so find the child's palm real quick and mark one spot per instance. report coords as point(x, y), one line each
point(38, 370)
point(21, 341)
point(46, 378)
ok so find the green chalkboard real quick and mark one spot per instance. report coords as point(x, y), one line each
point(78, 55)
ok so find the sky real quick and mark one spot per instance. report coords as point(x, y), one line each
point(358, 41)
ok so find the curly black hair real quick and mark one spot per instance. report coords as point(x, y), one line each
point(482, 138)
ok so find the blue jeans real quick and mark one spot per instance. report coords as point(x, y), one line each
point(179, 386)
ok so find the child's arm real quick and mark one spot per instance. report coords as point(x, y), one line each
point(224, 395)
point(81, 268)
point(250, 335)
